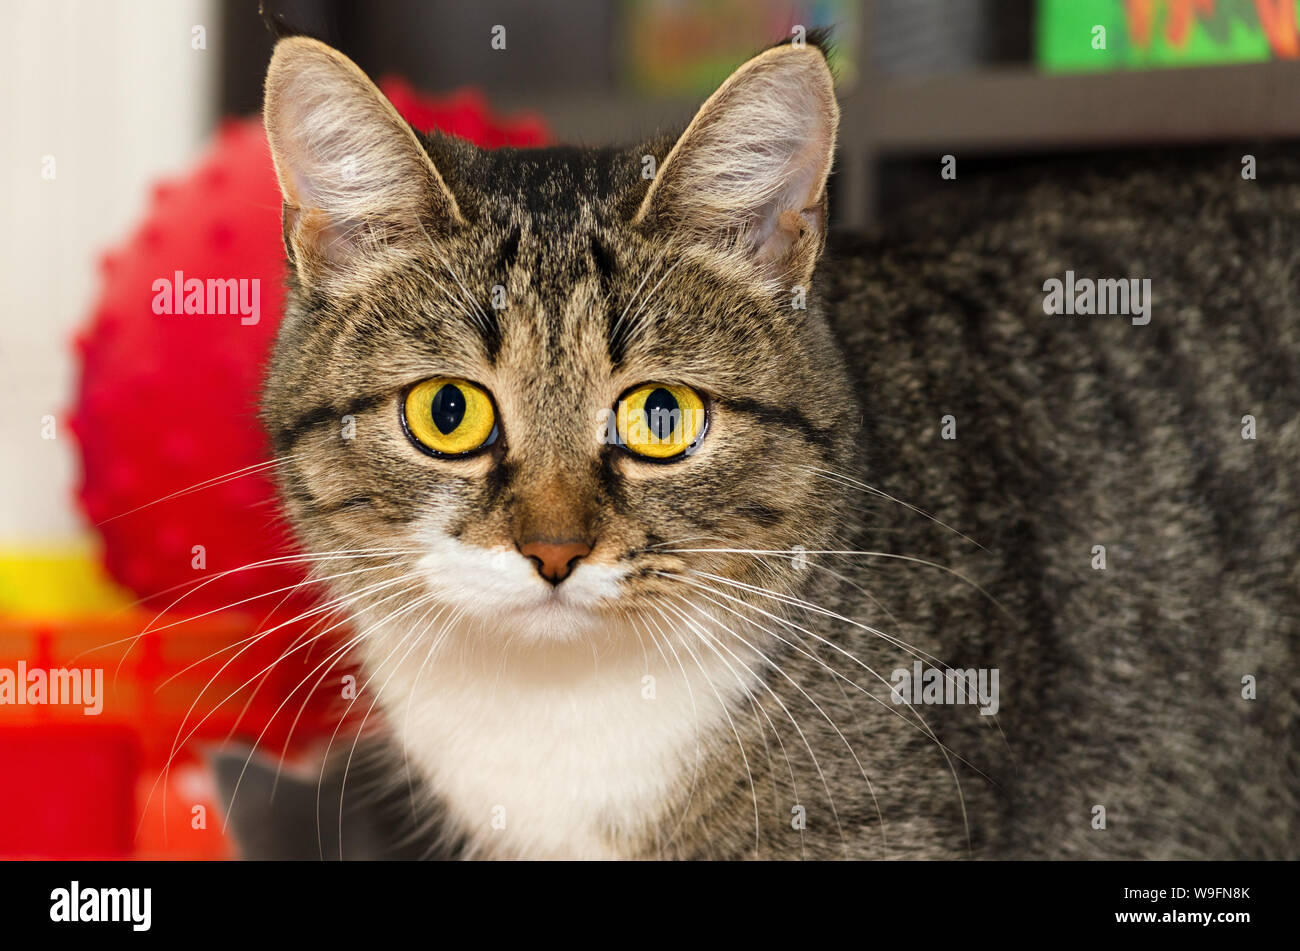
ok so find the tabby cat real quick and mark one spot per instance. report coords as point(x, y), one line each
point(669, 528)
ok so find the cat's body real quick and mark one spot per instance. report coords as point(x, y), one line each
point(713, 678)
point(1121, 687)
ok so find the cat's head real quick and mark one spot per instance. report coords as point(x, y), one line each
point(543, 387)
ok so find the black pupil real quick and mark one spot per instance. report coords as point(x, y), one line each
point(448, 408)
point(661, 413)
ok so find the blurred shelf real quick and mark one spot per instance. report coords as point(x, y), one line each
point(990, 111)
point(1021, 108)
point(1013, 108)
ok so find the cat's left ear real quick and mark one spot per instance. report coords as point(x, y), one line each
point(748, 175)
point(360, 191)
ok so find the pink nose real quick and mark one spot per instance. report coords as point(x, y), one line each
point(555, 560)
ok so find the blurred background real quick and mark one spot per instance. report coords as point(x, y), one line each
point(131, 152)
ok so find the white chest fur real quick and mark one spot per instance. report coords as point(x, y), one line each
point(562, 750)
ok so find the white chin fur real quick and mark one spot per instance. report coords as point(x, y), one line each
point(539, 742)
point(500, 590)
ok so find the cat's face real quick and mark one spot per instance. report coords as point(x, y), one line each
point(540, 388)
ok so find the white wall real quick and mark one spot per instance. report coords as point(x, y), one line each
point(114, 91)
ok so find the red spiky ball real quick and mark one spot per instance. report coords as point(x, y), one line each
point(167, 404)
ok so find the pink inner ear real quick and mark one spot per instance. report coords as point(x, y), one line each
point(320, 236)
point(794, 198)
point(791, 226)
point(299, 188)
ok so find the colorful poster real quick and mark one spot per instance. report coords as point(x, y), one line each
point(1089, 35)
point(678, 48)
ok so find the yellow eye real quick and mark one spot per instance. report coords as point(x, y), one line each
point(449, 417)
point(660, 421)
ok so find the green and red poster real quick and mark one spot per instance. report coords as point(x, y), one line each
point(1089, 35)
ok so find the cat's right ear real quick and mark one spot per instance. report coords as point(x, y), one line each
point(359, 189)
